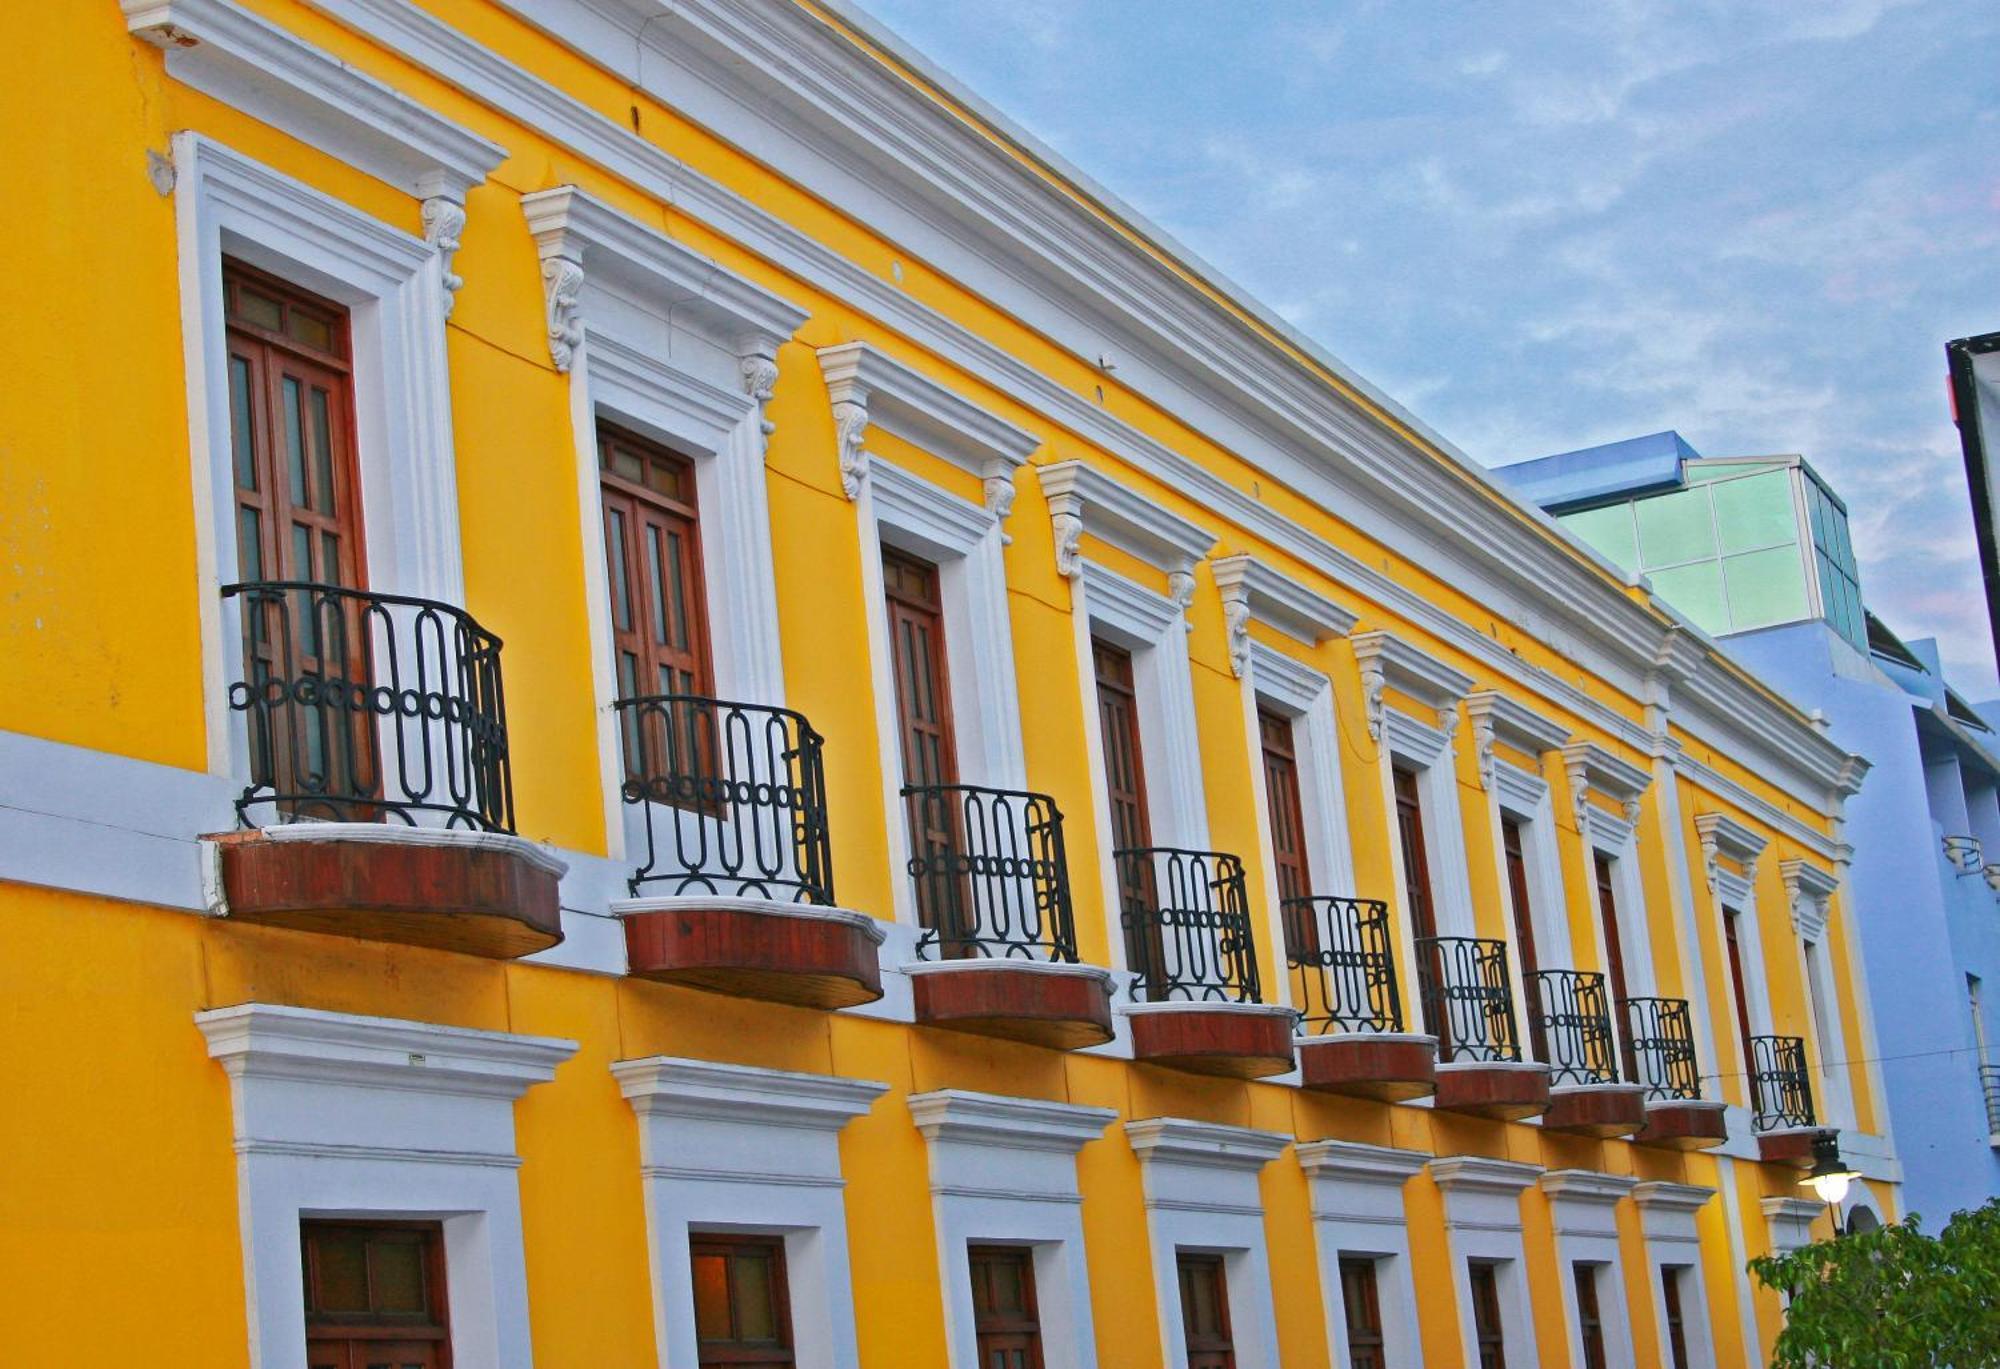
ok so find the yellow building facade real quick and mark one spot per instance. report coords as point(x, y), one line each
point(665, 698)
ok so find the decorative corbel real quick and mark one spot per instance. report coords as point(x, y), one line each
point(1631, 810)
point(1579, 791)
point(1448, 721)
point(1236, 626)
point(443, 221)
point(850, 422)
point(999, 482)
point(1373, 683)
point(1709, 856)
point(1482, 747)
point(1069, 543)
point(1180, 589)
point(759, 369)
point(562, 285)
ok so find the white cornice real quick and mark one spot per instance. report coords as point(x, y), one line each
point(662, 1086)
point(1209, 1144)
point(1561, 597)
point(248, 63)
point(274, 1041)
point(582, 239)
point(1353, 1162)
point(868, 388)
point(1389, 662)
point(1591, 767)
point(990, 1119)
point(1083, 500)
point(1477, 1174)
point(1587, 1186)
point(1724, 836)
point(1671, 1197)
point(1496, 717)
point(1807, 888)
point(1252, 590)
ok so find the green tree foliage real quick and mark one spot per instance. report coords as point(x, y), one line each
point(1892, 1297)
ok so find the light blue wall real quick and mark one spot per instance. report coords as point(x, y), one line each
point(1923, 926)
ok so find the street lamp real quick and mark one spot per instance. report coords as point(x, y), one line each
point(1829, 1176)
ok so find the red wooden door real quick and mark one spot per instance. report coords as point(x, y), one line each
point(1288, 829)
point(924, 726)
point(1205, 1312)
point(1731, 940)
point(1524, 933)
point(1489, 1336)
point(1589, 1317)
point(1416, 860)
point(1005, 1321)
point(1614, 955)
point(1131, 824)
point(374, 1295)
point(1363, 1305)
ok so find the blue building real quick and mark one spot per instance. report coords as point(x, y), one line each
point(1755, 551)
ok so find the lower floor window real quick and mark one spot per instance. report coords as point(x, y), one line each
point(1004, 1318)
point(1670, 1292)
point(1589, 1316)
point(1484, 1278)
point(374, 1295)
point(1363, 1306)
point(741, 1312)
point(1205, 1311)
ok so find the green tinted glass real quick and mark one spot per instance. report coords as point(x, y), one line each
point(1695, 590)
point(1754, 512)
point(1607, 531)
point(1765, 587)
point(1675, 527)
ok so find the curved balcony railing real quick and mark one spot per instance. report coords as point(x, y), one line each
point(1573, 1027)
point(1989, 1088)
point(1965, 854)
point(1186, 921)
point(1343, 966)
point(991, 875)
point(1468, 998)
point(367, 707)
point(1780, 1090)
point(732, 797)
point(1659, 1047)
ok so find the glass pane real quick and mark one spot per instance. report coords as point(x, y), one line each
point(322, 451)
point(1765, 587)
point(311, 330)
point(249, 544)
point(1754, 512)
point(627, 465)
point(621, 587)
point(242, 437)
point(678, 586)
point(396, 1269)
point(756, 1314)
point(711, 1297)
point(295, 441)
point(657, 585)
point(1607, 530)
point(259, 310)
point(302, 556)
point(1675, 527)
point(1696, 591)
point(342, 1258)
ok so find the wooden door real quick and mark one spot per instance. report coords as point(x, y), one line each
point(929, 750)
point(1005, 1321)
point(1614, 957)
point(1205, 1311)
point(1488, 1332)
point(1416, 859)
point(1288, 830)
point(374, 1295)
point(298, 519)
point(1363, 1306)
point(1524, 933)
point(1131, 823)
point(1740, 993)
point(1589, 1317)
point(1670, 1294)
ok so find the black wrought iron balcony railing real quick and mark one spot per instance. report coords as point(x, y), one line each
point(1573, 1027)
point(1467, 997)
point(1989, 1086)
point(1659, 1047)
point(1964, 854)
point(368, 707)
point(991, 874)
point(1780, 1089)
point(732, 797)
point(1186, 919)
point(1343, 966)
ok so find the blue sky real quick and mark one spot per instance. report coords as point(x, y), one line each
point(1543, 224)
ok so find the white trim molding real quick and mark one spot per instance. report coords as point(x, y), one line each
point(1592, 769)
point(1722, 835)
point(1583, 1207)
point(1253, 592)
point(1498, 718)
point(1003, 1172)
point(338, 1115)
point(1482, 1217)
point(1200, 1182)
point(1357, 1207)
point(250, 64)
point(868, 387)
point(1791, 1221)
point(740, 1149)
point(392, 284)
point(1389, 662)
point(1808, 890)
point(1085, 500)
point(1667, 1214)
